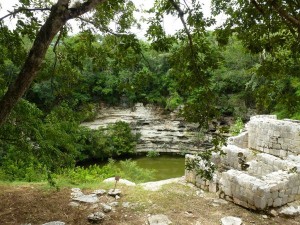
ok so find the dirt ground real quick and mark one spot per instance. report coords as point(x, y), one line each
point(182, 204)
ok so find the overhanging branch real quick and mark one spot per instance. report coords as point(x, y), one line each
point(284, 14)
point(19, 10)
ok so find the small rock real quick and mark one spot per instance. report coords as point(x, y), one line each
point(75, 189)
point(74, 204)
point(200, 193)
point(215, 204)
point(114, 192)
point(96, 217)
point(188, 213)
point(117, 197)
point(106, 208)
point(264, 216)
point(159, 219)
point(126, 204)
point(99, 192)
point(76, 192)
point(273, 213)
point(220, 201)
point(92, 198)
point(114, 204)
point(290, 211)
point(198, 223)
point(231, 220)
point(54, 223)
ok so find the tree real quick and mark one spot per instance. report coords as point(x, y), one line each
point(59, 14)
point(271, 29)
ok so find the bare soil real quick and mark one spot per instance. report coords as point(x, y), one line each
point(37, 205)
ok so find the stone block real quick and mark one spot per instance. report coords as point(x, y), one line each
point(295, 190)
point(284, 199)
point(291, 198)
point(281, 193)
point(274, 195)
point(277, 202)
point(270, 202)
point(213, 187)
point(260, 202)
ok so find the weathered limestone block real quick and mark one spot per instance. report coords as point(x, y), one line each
point(274, 136)
point(240, 141)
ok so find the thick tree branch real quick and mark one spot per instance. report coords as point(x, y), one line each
point(59, 15)
point(83, 8)
point(181, 16)
point(258, 7)
point(103, 29)
point(16, 11)
point(284, 14)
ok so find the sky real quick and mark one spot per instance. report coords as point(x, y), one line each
point(171, 24)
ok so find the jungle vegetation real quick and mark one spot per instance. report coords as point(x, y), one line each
point(52, 80)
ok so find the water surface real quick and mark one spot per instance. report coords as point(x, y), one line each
point(165, 166)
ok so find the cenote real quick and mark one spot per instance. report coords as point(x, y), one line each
point(165, 166)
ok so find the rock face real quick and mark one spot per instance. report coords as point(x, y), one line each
point(159, 131)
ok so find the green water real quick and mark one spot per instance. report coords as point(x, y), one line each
point(165, 166)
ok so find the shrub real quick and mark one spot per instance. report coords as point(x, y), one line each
point(236, 128)
point(152, 154)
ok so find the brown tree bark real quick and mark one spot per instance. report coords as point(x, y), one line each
point(60, 13)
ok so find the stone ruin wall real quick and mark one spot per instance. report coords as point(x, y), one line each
point(271, 150)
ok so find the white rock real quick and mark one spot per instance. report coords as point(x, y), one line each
point(159, 219)
point(74, 204)
point(99, 192)
point(114, 204)
point(114, 192)
point(106, 208)
point(92, 198)
point(54, 223)
point(156, 185)
point(220, 201)
point(231, 220)
point(290, 211)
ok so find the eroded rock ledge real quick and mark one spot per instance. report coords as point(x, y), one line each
point(159, 131)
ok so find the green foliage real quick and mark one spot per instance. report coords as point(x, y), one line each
point(130, 171)
point(91, 174)
point(125, 169)
point(263, 29)
point(236, 128)
point(152, 154)
point(115, 140)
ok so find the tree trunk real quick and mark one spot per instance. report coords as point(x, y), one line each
point(16, 90)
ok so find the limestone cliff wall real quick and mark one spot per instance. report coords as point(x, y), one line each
point(159, 131)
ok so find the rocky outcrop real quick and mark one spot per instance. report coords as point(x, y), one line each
point(159, 131)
